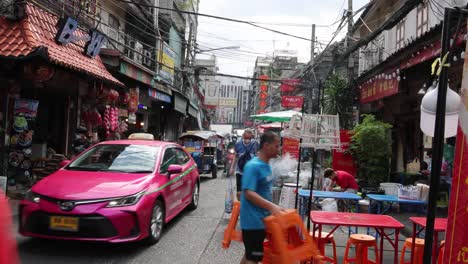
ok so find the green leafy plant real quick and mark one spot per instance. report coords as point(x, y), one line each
point(371, 148)
point(338, 100)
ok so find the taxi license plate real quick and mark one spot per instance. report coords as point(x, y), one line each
point(64, 223)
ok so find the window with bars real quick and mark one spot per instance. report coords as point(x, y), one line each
point(422, 18)
point(400, 34)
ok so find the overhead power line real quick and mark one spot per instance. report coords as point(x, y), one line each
point(217, 17)
point(388, 24)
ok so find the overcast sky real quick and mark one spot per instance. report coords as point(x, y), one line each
point(253, 42)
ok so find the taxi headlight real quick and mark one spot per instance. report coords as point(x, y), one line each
point(126, 201)
point(32, 196)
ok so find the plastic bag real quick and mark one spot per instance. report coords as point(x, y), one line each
point(424, 191)
point(329, 205)
point(409, 192)
point(229, 199)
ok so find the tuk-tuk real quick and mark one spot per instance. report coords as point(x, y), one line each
point(203, 147)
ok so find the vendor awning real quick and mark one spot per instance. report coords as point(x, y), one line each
point(35, 35)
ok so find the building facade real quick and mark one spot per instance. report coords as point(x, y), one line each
point(395, 70)
point(108, 66)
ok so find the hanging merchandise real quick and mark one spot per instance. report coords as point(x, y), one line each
point(107, 120)
point(134, 100)
point(21, 136)
point(125, 98)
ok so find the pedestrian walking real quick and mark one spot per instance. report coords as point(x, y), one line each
point(256, 198)
point(245, 149)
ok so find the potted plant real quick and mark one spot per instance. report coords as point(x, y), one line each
point(371, 148)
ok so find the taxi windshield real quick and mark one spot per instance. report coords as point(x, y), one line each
point(117, 158)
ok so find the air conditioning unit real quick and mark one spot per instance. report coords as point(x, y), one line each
point(147, 55)
point(139, 53)
point(130, 46)
point(112, 34)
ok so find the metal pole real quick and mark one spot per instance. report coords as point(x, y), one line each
point(312, 45)
point(312, 179)
point(438, 143)
point(299, 164)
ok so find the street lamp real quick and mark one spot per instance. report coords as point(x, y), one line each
point(221, 48)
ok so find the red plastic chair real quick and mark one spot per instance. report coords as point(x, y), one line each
point(231, 233)
point(290, 240)
point(362, 243)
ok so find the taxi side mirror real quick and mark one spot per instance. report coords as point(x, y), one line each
point(174, 169)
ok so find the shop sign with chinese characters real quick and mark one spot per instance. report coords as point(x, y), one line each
point(380, 86)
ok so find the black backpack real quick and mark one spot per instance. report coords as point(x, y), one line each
point(244, 158)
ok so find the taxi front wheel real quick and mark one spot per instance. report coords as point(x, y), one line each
point(156, 223)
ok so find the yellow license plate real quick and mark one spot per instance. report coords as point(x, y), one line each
point(64, 223)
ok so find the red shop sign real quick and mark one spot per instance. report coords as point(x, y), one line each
point(341, 159)
point(292, 101)
point(291, 146)
point(378, 89)
point(289, 85)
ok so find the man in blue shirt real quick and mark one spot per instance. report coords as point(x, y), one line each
point(247, 146)
point(256, 197)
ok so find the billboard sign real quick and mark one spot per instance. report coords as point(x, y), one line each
point(167, 57)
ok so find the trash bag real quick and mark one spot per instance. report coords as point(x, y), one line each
point(329, 205)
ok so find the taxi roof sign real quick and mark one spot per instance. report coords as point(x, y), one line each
point(141, 136)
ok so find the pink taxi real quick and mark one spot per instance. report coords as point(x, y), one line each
point(116, 191)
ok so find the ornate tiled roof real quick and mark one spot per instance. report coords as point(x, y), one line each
point(36, 31)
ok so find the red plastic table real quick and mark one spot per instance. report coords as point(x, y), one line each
point(379, 222)
point(440, 225)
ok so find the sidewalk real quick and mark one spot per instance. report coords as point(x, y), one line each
point(13, 203)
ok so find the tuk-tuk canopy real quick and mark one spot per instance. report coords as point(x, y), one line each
point(201, 134)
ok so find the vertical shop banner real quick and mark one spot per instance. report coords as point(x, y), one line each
point(291, 146)
point(456, 240)
point(290, 101)
point(342, 160)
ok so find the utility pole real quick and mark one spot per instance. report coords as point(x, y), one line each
point(312, 45)
point(310, 93)
point(348, 40)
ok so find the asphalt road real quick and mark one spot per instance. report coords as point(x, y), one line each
point(192, 237)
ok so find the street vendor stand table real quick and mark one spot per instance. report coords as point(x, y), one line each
point(391, 199)
point(440, 225)
point(379, 222)
point(304, 194)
